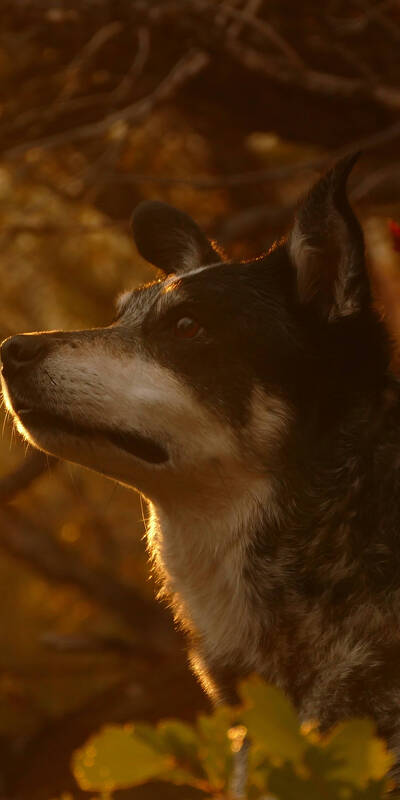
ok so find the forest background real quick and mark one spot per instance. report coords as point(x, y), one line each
point(227, 109)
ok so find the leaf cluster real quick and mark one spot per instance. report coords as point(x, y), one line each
point(287, 760)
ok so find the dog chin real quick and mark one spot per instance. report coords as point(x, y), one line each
point(83, 443)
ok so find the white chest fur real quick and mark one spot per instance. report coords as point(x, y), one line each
point(202, 561)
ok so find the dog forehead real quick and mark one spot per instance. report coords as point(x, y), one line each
point(230, 287)
point(134, 306)
point(157, 296)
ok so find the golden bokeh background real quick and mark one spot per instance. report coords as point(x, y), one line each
point(229, 110)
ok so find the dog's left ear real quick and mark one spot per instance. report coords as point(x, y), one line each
point(326, 247)
point(170, 239)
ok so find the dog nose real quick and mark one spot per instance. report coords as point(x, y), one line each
point(19, 351)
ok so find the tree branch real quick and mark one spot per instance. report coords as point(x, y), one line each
point(87, 52)
point(187, 67)
point(312, 80)
point(261, 26)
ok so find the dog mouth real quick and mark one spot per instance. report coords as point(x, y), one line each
point(134, 443)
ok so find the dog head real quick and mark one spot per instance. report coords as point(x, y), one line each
point(205, 371)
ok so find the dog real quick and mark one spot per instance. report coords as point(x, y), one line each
point(252, 405)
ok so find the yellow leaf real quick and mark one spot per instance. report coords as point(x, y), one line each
point(272, 721)
point(359, 755)
point(116, 758)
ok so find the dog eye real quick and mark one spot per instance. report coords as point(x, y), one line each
point(187, 328)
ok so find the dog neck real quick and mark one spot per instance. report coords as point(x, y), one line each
point(237, 556)
point(200, 552)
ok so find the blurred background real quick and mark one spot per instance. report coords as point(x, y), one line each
point(228, 109)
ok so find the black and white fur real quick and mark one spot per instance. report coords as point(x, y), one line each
point(253, 405)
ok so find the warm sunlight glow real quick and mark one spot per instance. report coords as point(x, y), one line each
point(237, 735)
point(23, 431)
point(171, 284)
point(70, 532)
point(6, 398)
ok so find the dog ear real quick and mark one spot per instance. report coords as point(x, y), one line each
point(326, 246)
point(170, 239)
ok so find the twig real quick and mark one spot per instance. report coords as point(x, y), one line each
point(95, 43)
point(137, 65)
point(187, 67)
point(328, 42)
point(86, 54)
point(66, 105)
point(354, 25)
point(49, 112)
point(268, 32)
point(96, 174)
point(375, 13)
point(252, 8)
point(34, 465)
point(313, 80)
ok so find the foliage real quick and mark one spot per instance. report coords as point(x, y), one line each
point(287, 760)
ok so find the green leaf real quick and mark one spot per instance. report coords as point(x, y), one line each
point(272, 721)
point(117, 758)
point(289, 783)
point(357, 754)
point(215, 750)
point(182, 741)
point(149, 735)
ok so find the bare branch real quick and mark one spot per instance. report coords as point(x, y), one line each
point(376, 13)
point(328, 42)
point(85, 55)
point(268, 32)
point(350, 25)
point(314, 81)
point(252, 7)
point(187, 67)
point(66, 105)
point(137, 65)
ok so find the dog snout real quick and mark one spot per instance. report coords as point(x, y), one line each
point(18, 352)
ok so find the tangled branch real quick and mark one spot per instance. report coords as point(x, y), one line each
point(187, 67)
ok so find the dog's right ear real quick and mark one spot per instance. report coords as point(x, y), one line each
point(326, 247)
point(170, 239)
